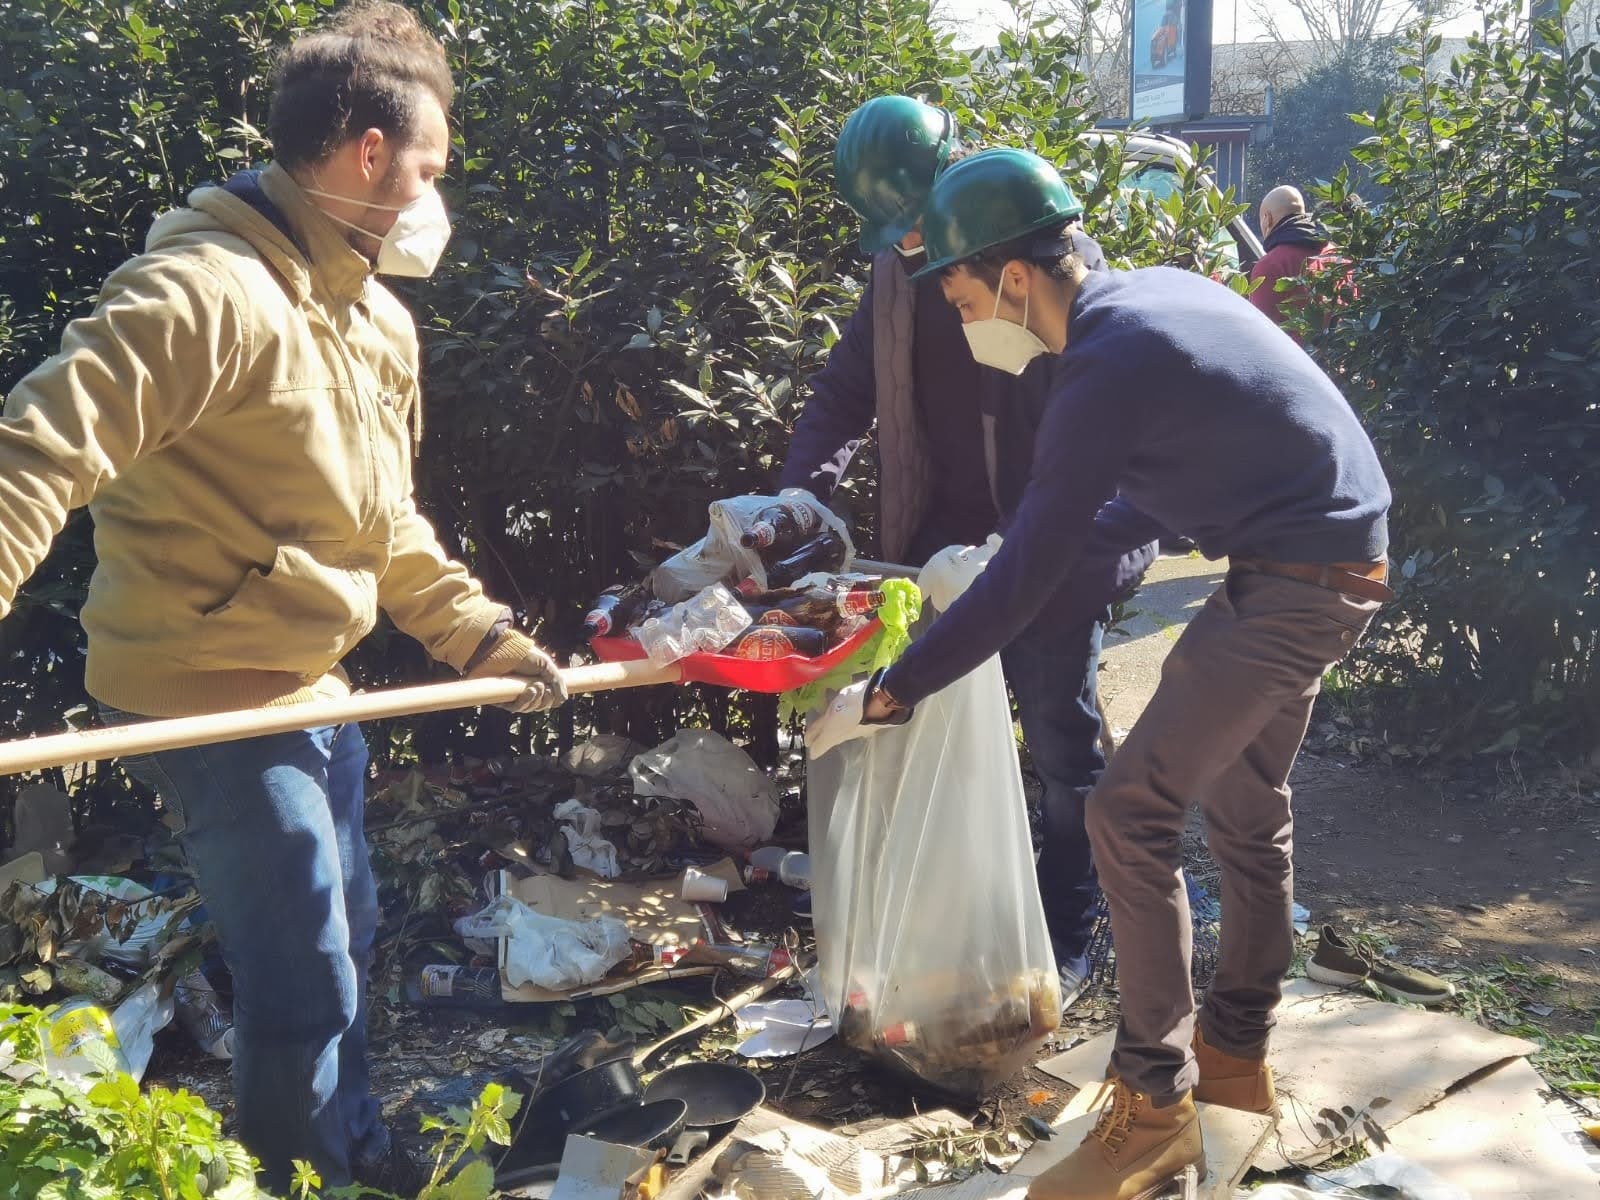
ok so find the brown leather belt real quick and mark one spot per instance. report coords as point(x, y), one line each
point(1365, 581)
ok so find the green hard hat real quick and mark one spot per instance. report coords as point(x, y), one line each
point(988, 199)
point(889, 153)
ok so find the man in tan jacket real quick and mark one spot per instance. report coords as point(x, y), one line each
point(239, 413)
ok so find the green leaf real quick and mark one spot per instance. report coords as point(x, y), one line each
point(474, 1182)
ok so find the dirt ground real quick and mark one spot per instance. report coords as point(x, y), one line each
point(1465, 875)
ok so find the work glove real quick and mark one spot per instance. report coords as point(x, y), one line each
point(845, 720)
point(951, 571)
point(517, 656)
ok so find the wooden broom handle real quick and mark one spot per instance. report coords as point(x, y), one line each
point(114, 741)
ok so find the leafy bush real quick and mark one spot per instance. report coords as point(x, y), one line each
point(108, 1141)
point(112, 1141)
point(1472, 351)
point(649, 260)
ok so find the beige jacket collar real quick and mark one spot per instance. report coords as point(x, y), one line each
point(317, 260)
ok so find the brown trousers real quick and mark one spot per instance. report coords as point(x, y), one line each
point(1223, 729)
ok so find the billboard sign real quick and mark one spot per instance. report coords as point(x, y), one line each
point(1160, 53)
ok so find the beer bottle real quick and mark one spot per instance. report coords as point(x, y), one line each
point(819, 607)
point(766, 642)
point(446, 985)
point(615, 610)
point(780, 529)
point(824, 553)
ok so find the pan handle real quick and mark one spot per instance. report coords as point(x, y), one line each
point(690, 1142)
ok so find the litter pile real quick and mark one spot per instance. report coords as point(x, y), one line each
point(768, 581)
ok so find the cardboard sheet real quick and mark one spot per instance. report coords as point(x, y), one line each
point(1333, 1048)
point(1498, 1137)
point(833, 1157)
point(596, 1170)
point(888, 1136)
point(25, 868)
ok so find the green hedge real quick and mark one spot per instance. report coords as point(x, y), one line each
point(1472, 349)
point(649, 258)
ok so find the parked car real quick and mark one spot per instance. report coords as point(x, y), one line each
point(1157, 164)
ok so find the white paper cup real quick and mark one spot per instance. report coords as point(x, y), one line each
point(699, 887)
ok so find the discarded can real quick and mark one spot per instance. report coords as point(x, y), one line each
point(444, 985)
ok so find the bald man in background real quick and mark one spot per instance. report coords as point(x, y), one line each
point(1295, 244)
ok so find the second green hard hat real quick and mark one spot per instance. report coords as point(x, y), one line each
point(991, 198)
point(889, 153)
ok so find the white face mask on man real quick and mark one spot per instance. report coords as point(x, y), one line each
point(415, 241)
point(1001, 344)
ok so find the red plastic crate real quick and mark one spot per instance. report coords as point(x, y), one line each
point(744, 674)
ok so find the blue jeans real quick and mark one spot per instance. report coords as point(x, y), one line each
point(272, 828)
point(1051, 669)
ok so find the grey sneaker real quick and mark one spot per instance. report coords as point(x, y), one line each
point(1343, 963)
point(1073, 986)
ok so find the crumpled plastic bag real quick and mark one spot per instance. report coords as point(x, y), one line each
point(82, 1039)
point(705, 623)
point(1411, 1180)
point(148, 936)
point(951, 571)
point(600, 755)
point(719, 558)
point(1408, 1181)
point(589, 850)
point(738, 804)
point(549, 952)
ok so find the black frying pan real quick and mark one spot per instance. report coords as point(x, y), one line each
point(718, 1096)
point(576, 1099)
point(649, 1126)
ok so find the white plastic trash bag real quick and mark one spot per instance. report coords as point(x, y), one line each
point(82, 1040)
point(1411, 1180)
point(585, 843)
point(719, 558)
point(931, 937)
point(737, 802)
point(550, 952)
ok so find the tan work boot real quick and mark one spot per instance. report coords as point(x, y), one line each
point(1135, 1151)
point(1243, 1083)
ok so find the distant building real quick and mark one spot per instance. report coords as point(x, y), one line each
point(1245, 76)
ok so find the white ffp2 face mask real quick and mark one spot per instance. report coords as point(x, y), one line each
point(1001, 344)
point(415, 241)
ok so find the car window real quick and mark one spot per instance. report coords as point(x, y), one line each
point(1159, 181)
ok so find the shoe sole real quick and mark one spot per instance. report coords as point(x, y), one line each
point(1327, 975)
point(1173, 1186)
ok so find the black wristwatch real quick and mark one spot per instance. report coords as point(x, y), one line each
point(899, 713)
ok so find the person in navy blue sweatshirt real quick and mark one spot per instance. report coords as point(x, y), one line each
point(1174, 392)
point(951, 472)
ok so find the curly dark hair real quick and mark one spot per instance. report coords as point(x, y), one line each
point(365, 69)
